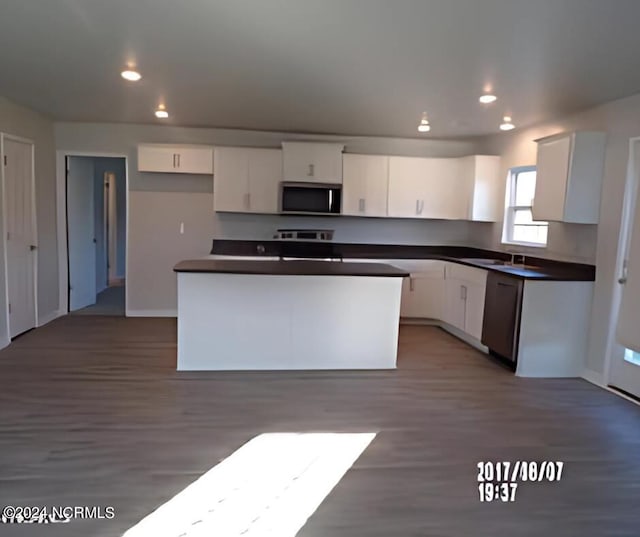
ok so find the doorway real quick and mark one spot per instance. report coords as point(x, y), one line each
point(20, 234)
point(96, 234)
point(624, 362)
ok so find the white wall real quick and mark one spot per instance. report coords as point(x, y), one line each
point(621, 120)
point(21, 121)
point(158, 204)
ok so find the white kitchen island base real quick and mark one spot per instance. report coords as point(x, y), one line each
point(274, 322)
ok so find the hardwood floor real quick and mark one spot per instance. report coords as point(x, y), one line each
point(92, 412)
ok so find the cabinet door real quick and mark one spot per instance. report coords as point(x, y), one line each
point(454, 303)
point(265, 175)
point(486, 186)
point(156, 159)
point(406, 187)
point(364, 185)
point(551, 179)
point(312, 162)
point(422, 297)
point(231, 179)
point(407, 302)
point(194, 160)
point(446, 192)
point(474, 309)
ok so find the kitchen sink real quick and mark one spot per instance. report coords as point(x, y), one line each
point(501, 263)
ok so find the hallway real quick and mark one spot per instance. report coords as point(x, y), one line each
point(108, 302)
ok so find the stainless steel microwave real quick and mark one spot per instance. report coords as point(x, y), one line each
point(310, 198)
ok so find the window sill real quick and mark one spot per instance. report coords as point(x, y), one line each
point(526, 244)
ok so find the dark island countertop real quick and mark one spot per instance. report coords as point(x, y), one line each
point(536, 268)
point(289, 268)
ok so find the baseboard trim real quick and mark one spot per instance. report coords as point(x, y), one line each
point(48, 317)
point(469, 340)
point(594, 377)
point(151, 313)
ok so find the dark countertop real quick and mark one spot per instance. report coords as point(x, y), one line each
point(289, 268)
point(536, 268)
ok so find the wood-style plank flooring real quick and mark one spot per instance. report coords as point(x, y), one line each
point(92, 412)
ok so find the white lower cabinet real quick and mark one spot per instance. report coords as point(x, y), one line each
point(422, 296)
point(464, 298)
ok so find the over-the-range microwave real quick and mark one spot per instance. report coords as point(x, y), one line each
point(310, 198)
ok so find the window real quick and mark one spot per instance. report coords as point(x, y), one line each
point(519, 226)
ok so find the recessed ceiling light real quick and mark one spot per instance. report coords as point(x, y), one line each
point(161, 112)
point(424, 124)
point(131, 75)
point(487, 98)
point(507, 125)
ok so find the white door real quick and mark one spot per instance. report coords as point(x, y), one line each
point(624, 358)
point(21, 235)
point(81, 233)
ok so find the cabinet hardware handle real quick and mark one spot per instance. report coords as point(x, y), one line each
point(410, 283)
point(178, 160)
point(463, 292)
point(361, 205)
point(174, 160)
point(246, 201)
point(417, 206)
point(311, 170)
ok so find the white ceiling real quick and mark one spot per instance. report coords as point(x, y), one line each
point(366, 67)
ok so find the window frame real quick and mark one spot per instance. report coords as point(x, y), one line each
point(511, 208)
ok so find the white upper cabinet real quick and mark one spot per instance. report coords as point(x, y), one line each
point(446, 195)
point(407, 187)
point(365, 185)
point(569, 177)
point(246, 179)
point(484, 187)
point(265, 176)
point(427, 188)
point(168, 158)
point(312, 162)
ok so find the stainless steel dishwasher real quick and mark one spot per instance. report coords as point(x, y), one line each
point(502, 308)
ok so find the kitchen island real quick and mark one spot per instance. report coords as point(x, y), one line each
point(275, 315)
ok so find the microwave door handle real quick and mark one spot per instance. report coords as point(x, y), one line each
point(330, 199)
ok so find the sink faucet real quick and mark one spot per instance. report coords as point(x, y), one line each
point(518, 258)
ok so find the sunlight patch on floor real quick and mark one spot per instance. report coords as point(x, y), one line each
point(268, 487)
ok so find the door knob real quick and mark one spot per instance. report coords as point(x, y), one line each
point(33, 247)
